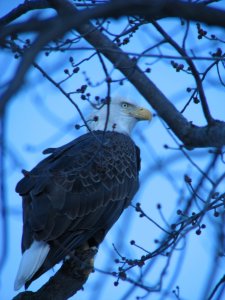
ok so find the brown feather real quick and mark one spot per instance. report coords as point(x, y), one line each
point(77, 193)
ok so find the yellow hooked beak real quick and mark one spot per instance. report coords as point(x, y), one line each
point(141, 113)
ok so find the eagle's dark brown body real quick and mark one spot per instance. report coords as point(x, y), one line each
point(77, 193)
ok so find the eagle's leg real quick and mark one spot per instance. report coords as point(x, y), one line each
point(82, 260)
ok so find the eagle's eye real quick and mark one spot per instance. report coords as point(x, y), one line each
point(124, 105)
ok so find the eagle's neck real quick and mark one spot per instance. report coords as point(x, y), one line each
point(121, 123)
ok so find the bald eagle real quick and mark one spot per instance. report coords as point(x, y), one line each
point(78, 192)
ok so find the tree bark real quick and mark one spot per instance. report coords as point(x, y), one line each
point(69, 279)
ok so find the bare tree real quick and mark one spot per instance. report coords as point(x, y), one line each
point(105, 34)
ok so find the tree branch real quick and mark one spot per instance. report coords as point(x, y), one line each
point(67, 281)
point(193, 69)
point(154, 9)
point(3, 203)
point(222, 281)
point(192, 136)
point(23, 9)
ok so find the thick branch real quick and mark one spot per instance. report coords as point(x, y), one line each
point(67, 281)
point(23, 9)
point(192, 136)
point(153, 8)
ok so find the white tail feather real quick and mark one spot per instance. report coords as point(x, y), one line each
point(31, 261)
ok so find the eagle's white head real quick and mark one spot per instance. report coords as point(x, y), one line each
point(120, 116)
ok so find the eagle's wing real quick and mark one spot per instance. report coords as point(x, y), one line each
point(78, 192)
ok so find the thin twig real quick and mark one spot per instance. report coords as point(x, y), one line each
point(193, 68)
point(222, 281)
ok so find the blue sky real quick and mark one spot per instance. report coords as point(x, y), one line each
point(39, 117)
